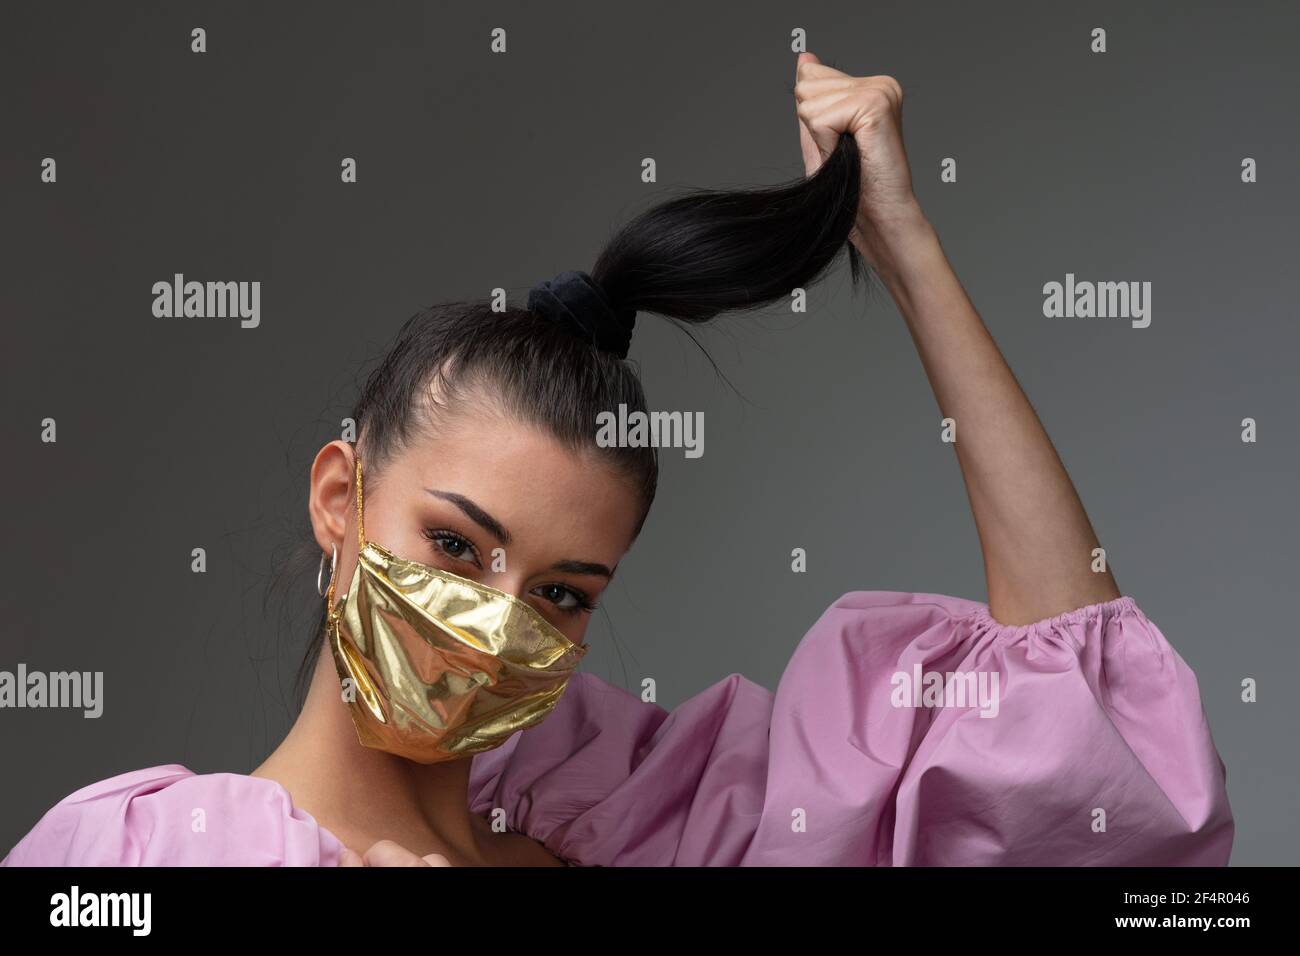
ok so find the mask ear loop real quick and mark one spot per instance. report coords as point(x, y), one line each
point(331, 611)
point(361, 534)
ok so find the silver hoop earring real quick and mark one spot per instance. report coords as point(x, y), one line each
point(322, 590)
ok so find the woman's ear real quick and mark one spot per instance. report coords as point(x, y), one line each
point(331, 498)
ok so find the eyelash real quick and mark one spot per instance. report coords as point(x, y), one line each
point(437, 535)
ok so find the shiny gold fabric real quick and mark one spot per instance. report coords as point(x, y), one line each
point(441, 666)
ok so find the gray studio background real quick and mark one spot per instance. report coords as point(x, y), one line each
point(479, 170)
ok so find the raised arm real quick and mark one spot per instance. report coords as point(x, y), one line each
point(1036, 538)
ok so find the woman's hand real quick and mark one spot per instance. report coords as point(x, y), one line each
point(388, 853)
point(870, 108)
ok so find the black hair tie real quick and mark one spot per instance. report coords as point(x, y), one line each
point(574, 299)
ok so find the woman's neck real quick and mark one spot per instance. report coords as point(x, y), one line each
point(363, 795)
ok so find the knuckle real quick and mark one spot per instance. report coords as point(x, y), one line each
point(387, 853)
point(887, 86)
point(879, 98)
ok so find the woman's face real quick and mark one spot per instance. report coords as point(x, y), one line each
point(488, 499)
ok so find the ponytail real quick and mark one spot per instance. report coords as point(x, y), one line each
point(714, 251)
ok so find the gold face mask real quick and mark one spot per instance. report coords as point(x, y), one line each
point(440, 666)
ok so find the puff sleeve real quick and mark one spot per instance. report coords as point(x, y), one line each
point(170, 816)
point(1080, 741)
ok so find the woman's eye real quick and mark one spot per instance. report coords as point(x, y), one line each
point(566, 599)
point(453, 546)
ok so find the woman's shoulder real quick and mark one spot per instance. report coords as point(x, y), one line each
point(169, 815)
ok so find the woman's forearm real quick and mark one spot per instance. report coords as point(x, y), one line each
point(1036, 538)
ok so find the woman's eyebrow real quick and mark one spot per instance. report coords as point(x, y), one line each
point(583, 567)
point(494, 527)
point(474, 513)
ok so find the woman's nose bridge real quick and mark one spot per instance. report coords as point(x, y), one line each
point(508, 581)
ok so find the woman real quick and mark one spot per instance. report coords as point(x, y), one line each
point(477, 519)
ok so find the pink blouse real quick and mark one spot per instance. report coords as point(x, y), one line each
point(907, 729)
